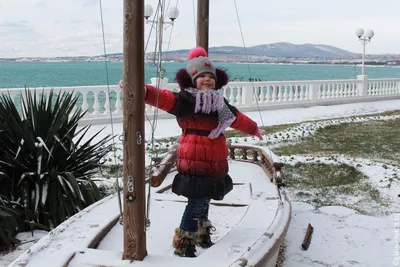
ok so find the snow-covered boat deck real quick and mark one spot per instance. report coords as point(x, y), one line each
point(250, 225)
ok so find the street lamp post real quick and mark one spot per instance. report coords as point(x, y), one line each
point(172, 14)
point(364, 39)
point(160, 25)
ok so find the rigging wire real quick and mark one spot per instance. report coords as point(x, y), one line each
point(170, 34)
point(109, 99)
point(157, 60)
point(111, 116)
point(156, 19)
point(194, 20)
point(157, 57)
point(152, 64)
point(159, 38)
point(151, 29)
point(251, 77)
point(247, 61)
point(167, 7)
point(159, 41)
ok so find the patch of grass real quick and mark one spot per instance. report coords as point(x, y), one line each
point(386, 113)
point(157, 151)
point(111, 171)
point(333, 185)
point(268, 130)
point(383, 114)
point(372, 139)
point(318, 175)
point(167, 140)
point(161, 146)
point(361, 189)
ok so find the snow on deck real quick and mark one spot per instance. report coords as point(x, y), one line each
point(237, 227)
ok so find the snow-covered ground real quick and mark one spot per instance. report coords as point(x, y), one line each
point(341, 237)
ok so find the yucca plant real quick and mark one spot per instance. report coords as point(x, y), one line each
point(10, 223)
point(47, 159)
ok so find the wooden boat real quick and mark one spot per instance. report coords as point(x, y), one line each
point(250, 222)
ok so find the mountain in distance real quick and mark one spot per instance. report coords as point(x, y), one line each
point(281, 49)
point(265, 51)
point(281, 52)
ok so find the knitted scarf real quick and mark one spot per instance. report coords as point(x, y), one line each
point(209, 100)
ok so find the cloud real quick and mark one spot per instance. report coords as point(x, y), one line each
point(86, 3)
point(41, 4)
point(16, 30)
point(76, 21)
point(75, 28)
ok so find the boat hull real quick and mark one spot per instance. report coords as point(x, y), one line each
point(251, 224)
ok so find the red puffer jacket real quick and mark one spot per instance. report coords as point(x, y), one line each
point(198, 155)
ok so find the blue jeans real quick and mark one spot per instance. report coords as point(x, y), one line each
point(196, 209)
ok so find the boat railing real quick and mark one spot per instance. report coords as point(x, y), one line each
point(163, 166)
point(261, 156)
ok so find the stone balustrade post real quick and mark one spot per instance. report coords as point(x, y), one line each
point(398, 87)
point(362, 85)
point(313, 93)
point(247, 95)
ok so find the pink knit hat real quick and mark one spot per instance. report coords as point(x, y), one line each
point(198, 64)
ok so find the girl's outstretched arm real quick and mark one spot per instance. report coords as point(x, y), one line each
point(164, 99)
point(244, 124)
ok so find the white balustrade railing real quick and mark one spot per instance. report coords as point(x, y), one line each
point(102, 102)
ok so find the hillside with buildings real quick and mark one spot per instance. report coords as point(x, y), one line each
point(281, 52)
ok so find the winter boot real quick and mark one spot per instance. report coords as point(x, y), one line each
point(203, 233)
point(184, 243)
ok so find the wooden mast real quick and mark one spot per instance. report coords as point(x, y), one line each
point(133, 125)
point(203, 7)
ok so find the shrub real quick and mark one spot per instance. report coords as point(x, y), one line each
point(46, 160)
point(9, 224)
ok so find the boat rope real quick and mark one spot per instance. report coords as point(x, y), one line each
point(247, 63)
point(194, 19)
point(114, 146)
point(170, 33)
point(158, 57)
point(157, 60)
point(153, 123)
point(258, 99)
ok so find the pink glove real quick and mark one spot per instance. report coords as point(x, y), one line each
point(259, 133)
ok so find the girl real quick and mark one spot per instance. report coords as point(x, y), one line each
point(203, 114)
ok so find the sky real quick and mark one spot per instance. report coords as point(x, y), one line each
point(39, 28)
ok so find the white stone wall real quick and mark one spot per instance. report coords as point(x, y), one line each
point(102, 101)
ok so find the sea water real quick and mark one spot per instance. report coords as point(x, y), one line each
point(52, 74)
